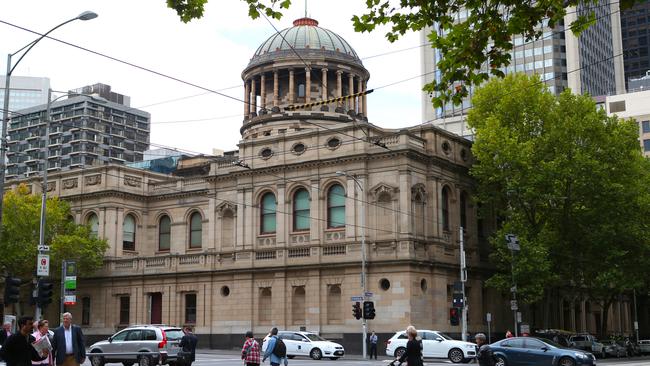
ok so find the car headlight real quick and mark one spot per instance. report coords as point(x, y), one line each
point(581, 355)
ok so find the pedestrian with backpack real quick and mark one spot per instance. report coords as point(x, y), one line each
point(276, 350)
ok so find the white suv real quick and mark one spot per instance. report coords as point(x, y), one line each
point(435, 345)
point(311, 345)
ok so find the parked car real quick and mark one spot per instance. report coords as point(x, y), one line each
point(613, 349)
point(310, 345)
point(532, 351)
point(138, 338)
point(644, 346)
point(435, 345)
point(558, 336)
point(587, 342)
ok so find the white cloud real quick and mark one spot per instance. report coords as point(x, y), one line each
point(210, 52)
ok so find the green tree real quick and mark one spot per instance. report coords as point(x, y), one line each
point(570, 181)
point(471, 50)
point(67, 240)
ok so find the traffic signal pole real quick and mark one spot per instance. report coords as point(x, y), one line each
point(463, 279)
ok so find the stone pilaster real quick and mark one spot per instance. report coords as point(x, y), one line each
point(247, 99)
point(365, 104)
point(276, 97)
point(253, 95)
point(339, 86)
point(324, 84)
point(308, 86)
point(350, 102)
point(263, 91)
point(292, 94)
point(281, 219)
point(360, 98)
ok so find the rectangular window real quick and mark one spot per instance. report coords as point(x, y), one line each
point(85, 311)
point(646, 126)
point(190, 308)
point(646, 145)
point(617, 106)
point(125, 305)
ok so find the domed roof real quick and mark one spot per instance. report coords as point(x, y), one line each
point(306, 35)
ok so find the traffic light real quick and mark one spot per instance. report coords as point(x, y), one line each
point(458, 300)
point(454, 316)
point(368, 310)
point(12, 290)
point(356, 310)
point(44, 296)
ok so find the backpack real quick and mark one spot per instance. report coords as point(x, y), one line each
point(280, 349)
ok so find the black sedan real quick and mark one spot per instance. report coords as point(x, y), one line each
point(530, 351)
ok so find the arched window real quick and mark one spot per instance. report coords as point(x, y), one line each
point(334, 304)
point(445, 208)
point(298, 305)
point(264, 306)
point(384, 214)
point(301, 210)
point(301, 90)
point(268, 213)
point(418, 214)
point(93, 222)
point(227, 229)
point(463, 210)
point(336, 206)
point(196, 230)
point(128, 233)
point(164, 233)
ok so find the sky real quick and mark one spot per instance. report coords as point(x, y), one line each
point(210, 52)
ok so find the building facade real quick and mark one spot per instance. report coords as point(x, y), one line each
point(635, 29)
point(25, 92)
point(591, 63)
point(83, 131)
point(271, 234)
point(632, 105)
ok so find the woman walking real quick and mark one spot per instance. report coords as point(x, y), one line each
point(413, 353)
point(250, 353)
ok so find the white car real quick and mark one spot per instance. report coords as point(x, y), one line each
point(310, 345)
point(435, 345)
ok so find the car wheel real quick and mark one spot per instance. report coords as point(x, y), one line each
point(334, 358)
point(456, 355)
point(316, 354)
point(500, 361)
point(399, 352)
point(566, 361)
point(96, 361)
point(144, 361)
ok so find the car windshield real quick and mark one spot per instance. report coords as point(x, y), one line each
point(174, 334)
point(551, 343)
point(578, 339)
point(443, 335)
point(314, 337)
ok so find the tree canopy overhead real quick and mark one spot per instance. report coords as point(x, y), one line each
point(570, 181)
point(472, 49)
point(66, 239)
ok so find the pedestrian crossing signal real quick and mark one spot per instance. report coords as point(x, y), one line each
point(12, 290)
point(356, 310)
point(44, 292)
point(454, 316)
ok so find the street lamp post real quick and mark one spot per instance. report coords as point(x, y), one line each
point(363, 256)
point(86, 15)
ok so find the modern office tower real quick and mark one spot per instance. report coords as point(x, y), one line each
point(84, 131)
point(642, 83)
point(591, 63)
point(26, 91)
point(635, 30)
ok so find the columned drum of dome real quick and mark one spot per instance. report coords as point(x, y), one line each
point(299, 65)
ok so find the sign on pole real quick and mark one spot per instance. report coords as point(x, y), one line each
point(43, 265)
point(519, 317)
point(70, 283)
point(525, 328)
point(356, 298)
point(369, 294)
point(513, 242)
point(43, 248)
point(513, 305)
point(488, 317)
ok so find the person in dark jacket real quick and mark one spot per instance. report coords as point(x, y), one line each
point(17, 349)
point(484, 356)
point(188, 344)
point(413, 353)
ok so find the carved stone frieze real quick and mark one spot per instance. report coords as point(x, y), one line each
point(93, 180)
point(51, 186)
point(383, 188)
point(70, 183)
point(132, 181)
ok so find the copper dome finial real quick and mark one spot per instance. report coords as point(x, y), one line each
point(305, 21)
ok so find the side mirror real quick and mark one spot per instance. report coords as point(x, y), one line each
point(544, 348)
point(110, 339)
point(439, 339)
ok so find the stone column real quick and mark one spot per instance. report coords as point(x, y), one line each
point(276, 97)
point(324, 84)
point(247, 99)
point(308, 85)
point(365, 103)
point(350, 101)
point(253, 96)
point(292, 95)
point(339, 86)
point(360, 98)
point(263, 91)
point(281, 219)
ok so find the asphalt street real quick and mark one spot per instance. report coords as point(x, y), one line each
point(230, 358)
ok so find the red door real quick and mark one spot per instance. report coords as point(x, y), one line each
point(156, 308)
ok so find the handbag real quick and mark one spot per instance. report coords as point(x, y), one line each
point(184, 357)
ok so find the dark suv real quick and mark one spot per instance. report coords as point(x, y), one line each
point(159, 341)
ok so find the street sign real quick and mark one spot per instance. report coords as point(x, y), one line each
point(69, 282)
point(513, 288)
point(513, 242)
point(525, 328)
point(518, 317)
point(369, 294)
point(356, 298)
point(488, 317)
point(43, 265)
point(43, 248)
point(636, 325)
point(513, 305)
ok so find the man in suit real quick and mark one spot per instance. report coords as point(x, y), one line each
point(188, 344)
point(68, 343)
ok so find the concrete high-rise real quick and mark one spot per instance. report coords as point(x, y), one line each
point(591, 63)
point(635, 30)
point(83, 132)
